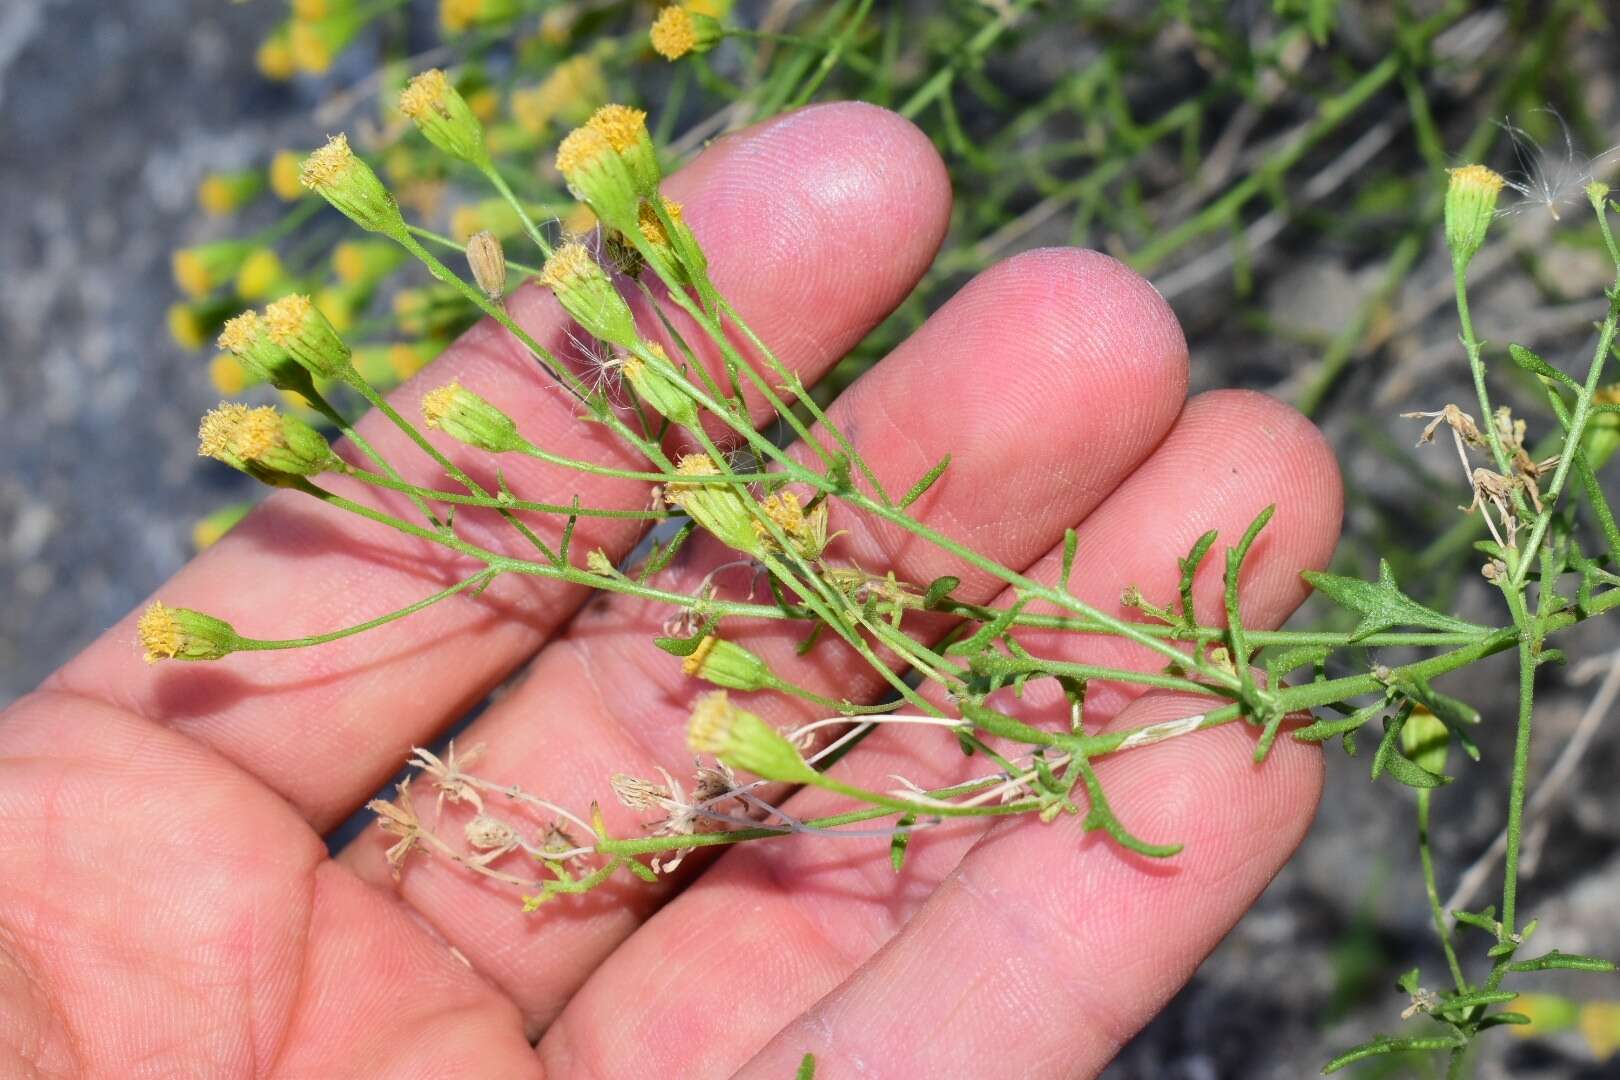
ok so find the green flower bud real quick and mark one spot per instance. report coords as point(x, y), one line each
point(443, 116)
point(725, 663)
point(599, 177)
point(334, 173)
point(201, 269)
point(625, 130)
point(275, 448)
point(1470, 205)
point(720, 509)
point(168, 633)
point(666, 396)
point(468, 418)
point(587, 294)
point(744, 741)
point(297, 325)
point(247, 338)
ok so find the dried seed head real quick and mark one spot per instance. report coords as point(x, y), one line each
point(639, 794)
point(168, 633)
point(488, 264)
point(398, 818)
point(486, 833)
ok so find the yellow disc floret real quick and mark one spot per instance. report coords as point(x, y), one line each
point(569, 264)
point(427, 92)
point(159, 633)
point(621, 125)
point(285, 318)
point(672, 33)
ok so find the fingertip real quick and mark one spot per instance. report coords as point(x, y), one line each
point(1111, 313)
point(831, 212)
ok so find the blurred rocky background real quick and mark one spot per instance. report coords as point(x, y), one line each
point(111, 114)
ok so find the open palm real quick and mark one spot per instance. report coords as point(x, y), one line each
point(167, 905)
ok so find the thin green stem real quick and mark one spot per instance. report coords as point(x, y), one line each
point(1442, 926)
point(483, 577)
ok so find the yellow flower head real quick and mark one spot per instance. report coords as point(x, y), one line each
point(1470, 205)
point(182, 634)
point(214, 434)
point(284, 176)
point(297, 325)
point(186, 326)
point(436, 404)
point(426, 93)
point(468, 418)
point(710, 727)
point(580, 148)
point(672, 33)
point(263, 442)
point(739, 738)
point(259, 275)
point(227, 374)
point(328, 166)
point(255, 434)
point(622, 126)
point(274, 57)
point(567, 266)
point(681, 29)
point(159, 633)
point(653, 228)
point(240, 332)
point(285, 318)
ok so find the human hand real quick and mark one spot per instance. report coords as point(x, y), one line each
point(168, 906)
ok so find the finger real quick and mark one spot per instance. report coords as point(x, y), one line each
point(1048, 947)
point(818, 223)
point(1088, 370)
point(802, 915)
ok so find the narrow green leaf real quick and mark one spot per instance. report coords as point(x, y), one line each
point(921, 486)
point(1562, 961)
point(1534, 364)
point(1383, 1044)
point(807, 1068)
point(1071, 544)
point(1189, 570)
point(938, 590)
point(661, 556)
point(899, 843)
point(679, 646)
